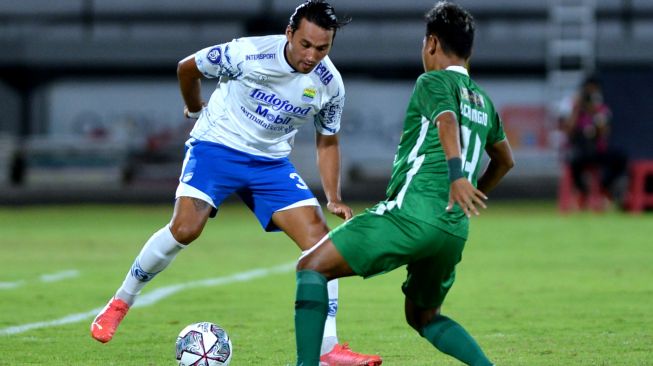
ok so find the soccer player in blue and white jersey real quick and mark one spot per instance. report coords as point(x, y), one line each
point(268, 87)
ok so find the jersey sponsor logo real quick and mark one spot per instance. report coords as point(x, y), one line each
point(274, 118)
point(285, 129)
point(308, 95)
point(260, 56)
point(325, 75)
point(278, 104)
point(215, 55)
point(472, 114)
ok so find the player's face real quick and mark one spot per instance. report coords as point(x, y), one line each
point(307, 46)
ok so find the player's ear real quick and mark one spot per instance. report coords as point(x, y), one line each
point(288, 33)
point(432, 44)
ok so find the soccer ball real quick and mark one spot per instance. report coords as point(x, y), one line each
point(203, 344)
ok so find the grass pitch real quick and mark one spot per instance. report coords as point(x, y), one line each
point(534, 288)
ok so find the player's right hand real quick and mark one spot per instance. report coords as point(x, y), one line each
point(193, 115)
point(466, 196)
point(341, 210)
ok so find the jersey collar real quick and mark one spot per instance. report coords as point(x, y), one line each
point(459, 69)
point(281, 56)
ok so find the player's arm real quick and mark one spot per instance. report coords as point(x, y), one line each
point(189, 77)
point(461, 190)
point(328, 162)
point(501, 161)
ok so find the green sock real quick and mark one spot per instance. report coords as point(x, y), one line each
point(452, 339)
point(311, 305)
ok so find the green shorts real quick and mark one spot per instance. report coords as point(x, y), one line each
point(374, 244)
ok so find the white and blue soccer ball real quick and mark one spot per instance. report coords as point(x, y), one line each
point(203, 344)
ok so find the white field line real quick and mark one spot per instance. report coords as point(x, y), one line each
point(47, 278)
point(63, 275)
point(155, 296)
point(10, 285)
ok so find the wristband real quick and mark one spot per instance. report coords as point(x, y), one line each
point(194, 115)
point(455, 169)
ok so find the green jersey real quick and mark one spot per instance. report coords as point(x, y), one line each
point(419, 185)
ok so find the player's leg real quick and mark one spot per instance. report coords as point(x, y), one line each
point(312, 306)
point(197, 198)
point(445, 334)
point(429, 280)
point(190, 216)
point(281, 200)
point(306, 226)
point(578, 164)
point(188, 221)
point(353, 248)
point(613, 163)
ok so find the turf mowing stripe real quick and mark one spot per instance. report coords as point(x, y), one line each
point(155, 296)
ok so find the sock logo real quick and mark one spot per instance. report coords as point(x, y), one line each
point(333, 307)
point(141, 274)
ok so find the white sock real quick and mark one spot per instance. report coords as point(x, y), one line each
point(155, 256)
point(330, 337)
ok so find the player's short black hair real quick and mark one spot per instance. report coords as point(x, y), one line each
point(318, 12)
point(453, 26)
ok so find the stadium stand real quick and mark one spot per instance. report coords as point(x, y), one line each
point(110, 41)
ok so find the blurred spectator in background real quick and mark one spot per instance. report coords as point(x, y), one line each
point(588, 129)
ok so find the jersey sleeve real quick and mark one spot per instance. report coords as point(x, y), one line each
point(327, 122)
point(435, 95)
point(224, 59)
point(496, 133)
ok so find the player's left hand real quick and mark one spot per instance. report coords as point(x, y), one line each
point(466, 196)
point(341, 210)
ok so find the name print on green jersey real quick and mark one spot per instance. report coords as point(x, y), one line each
point(474, 100)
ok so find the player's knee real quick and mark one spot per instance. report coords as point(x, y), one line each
point(185, 233)
point(306, 263)
point(418, 318)
point(414, 323)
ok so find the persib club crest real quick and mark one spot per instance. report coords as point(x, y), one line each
point(308, 95)
point(215, 55)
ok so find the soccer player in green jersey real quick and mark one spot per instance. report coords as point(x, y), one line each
point(433, 191)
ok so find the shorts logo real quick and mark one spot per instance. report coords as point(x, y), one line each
point(308, 95)
point(187, 177)
point(215, 55)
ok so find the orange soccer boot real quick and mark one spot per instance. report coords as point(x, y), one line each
point(107, 321)
point(342, 355)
